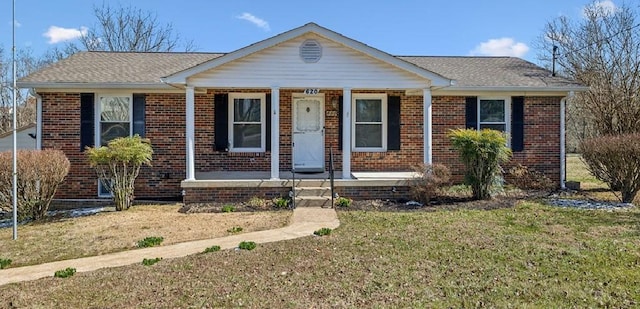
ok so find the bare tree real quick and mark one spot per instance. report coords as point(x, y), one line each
point(131, 29)
point(26, 109)
point(601, 50)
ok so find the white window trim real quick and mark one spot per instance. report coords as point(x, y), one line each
point(263, 122)
point(383, 98)
point(507, 116)
point(97, 124)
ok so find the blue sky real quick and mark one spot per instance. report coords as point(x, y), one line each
point(400, 27)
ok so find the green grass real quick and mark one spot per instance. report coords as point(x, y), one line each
point(577, 171)
point(530, 256)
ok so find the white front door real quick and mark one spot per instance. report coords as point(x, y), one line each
point(308, 134)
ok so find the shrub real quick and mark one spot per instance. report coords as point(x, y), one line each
point(257, 203)
point(235, 229)
point(482, 152)
point(616, 161)
point(151, 241)
point(281, 203)
point(322, 232)
point(247, 245)
point(525, 178)
point(118, 165)
point(4, 263)
point(67, 272)
point(228, 208)
point(343, 202)
point(39, 174)
point(212, 249)
point(429, 181)
point(149, 262)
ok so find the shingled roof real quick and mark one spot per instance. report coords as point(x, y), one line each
point(147, 69)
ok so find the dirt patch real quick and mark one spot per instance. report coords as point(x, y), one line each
point(449, 203)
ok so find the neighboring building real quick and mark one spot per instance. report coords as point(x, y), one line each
point(223, 125)
point(26, 138)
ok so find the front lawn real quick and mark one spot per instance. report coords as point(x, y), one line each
point(530, 255)
point(110, 231)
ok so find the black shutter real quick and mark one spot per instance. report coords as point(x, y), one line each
point(393, 123)
point(87, 120)
point(340, 111)
point(471, 113)
point(221, 125)
point(517, 123)
point(268, 124)
point(139, 105)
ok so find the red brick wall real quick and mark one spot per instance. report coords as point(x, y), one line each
point(165, 126)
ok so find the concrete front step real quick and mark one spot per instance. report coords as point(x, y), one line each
point(313, 201)
point(313, 191)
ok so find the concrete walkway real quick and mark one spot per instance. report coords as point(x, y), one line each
point(303, 223)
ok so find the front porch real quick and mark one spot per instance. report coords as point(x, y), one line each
point(240, 186)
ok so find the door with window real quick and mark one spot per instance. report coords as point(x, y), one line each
point(308, 134)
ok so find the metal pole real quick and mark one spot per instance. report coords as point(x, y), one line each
point(15, 136)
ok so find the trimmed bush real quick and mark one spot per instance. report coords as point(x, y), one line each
point(482, 152)
point(247, 245)
point(4, 263)
point(429, 181)
point(616, 161)
point(118, 165)
point(325, 231)
point(228, 208)
point(39, 174)
point(281, 203)
point(343, 202)
point(212, 249)
point(149, 262)
point(151, 241)
point(64, 273)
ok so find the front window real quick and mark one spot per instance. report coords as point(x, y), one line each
point(369, 125)
point(492, 114)
point(247, 122)
point(115, 118)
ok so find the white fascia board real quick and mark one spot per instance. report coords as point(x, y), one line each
point(94, 85)
point(516, 88)
point(436, 79)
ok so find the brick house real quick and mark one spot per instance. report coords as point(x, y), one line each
point(230, 126)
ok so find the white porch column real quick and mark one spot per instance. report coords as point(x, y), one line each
point(38, 121)
point(428, 126)
point(275, 132)
point(190, 132)
point(346, 133)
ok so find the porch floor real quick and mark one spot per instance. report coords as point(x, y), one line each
point(257, 175)
point(263, 179)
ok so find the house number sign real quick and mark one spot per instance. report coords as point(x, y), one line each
point(311, 91)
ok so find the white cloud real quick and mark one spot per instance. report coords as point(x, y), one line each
point(17, 24)
point(606, 7)
point(58, 34)
point(259, 22)
point(501, 47)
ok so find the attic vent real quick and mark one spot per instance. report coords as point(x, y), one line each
point(310, 51)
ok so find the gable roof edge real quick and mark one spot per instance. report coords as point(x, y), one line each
point(436, 79)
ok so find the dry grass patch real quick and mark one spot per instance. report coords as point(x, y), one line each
point(111, 231)
point(503, 258)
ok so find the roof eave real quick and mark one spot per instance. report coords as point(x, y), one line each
point(562, 89)
point(72, 85)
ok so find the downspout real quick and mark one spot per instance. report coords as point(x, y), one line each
point(38, 121)
point(563, 146)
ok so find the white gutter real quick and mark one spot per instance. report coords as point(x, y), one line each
point(38, 121)
point(516, 88)
point(95, 85)
point(563, 146)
